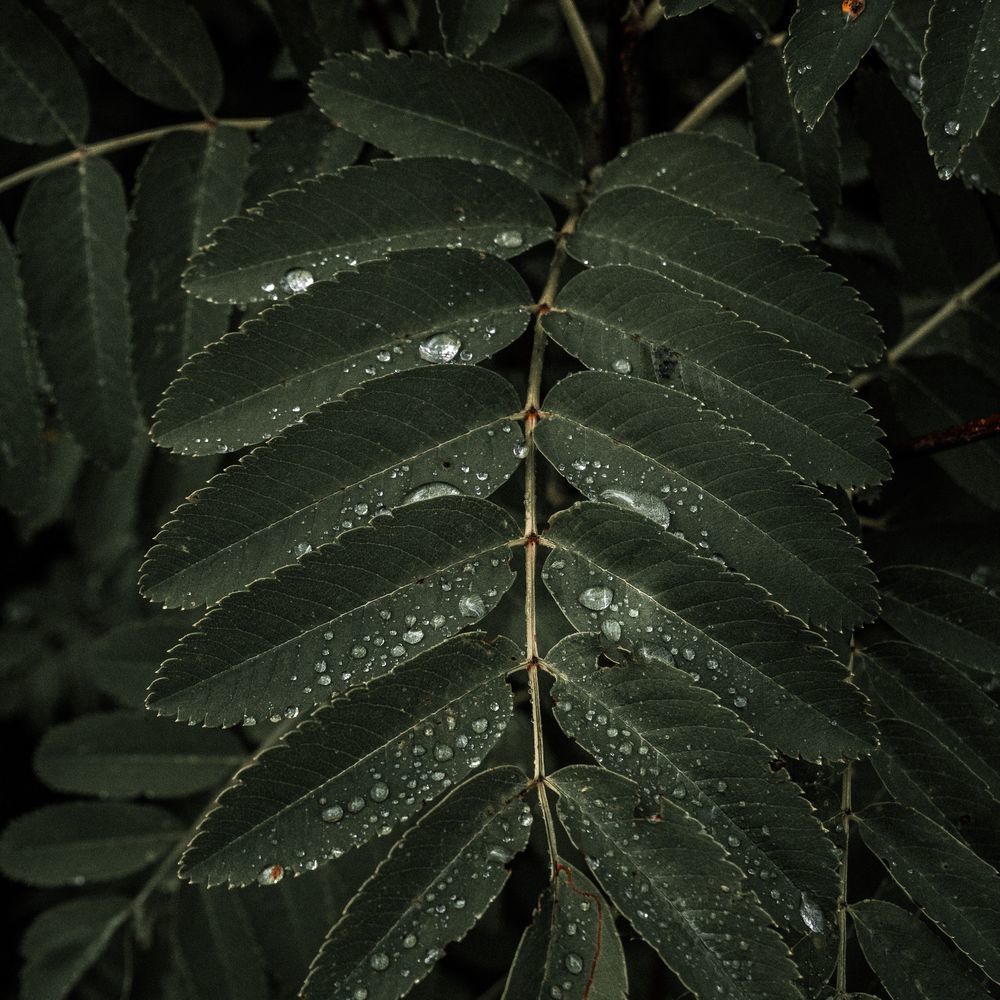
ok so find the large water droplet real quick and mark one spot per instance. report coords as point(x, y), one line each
point(271, 875)
point(509, 239)
point(379, 791)
point(379, 961)
point(414, 636)
point(296, 279)
point(812, 915)
point(612, 629)
point(642, 503)
point(622, 365)
point(332, 814)
point(429, 490)
point(596, 598)
point(472, 606)
point(574, 963)
point(440, 348)
point(952, 127)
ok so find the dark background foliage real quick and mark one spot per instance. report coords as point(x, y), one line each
point(73, 579)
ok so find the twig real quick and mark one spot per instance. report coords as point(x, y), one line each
point(951, 437)
point(722, 92)
point(955, 304)
point(585, 50)
point(845, 819)
point(123, 142)
point(531, 416)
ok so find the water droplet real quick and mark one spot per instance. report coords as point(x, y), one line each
point(413, 636)
point(509, 239)
point(379, 961)
point(296, 279)
point(812, 915)
point(520, 450)
point(271, 875)
point(430, 490)
point(612, 629)
point(440, 348)
point(479, 725)
point(596, 598)
point(472, 606)
point(302, 549)
point(443, 752)
point(379, 791)
point(574, 963)
point(952, 128)
point(332, 814)
point(622, 365)
point(356, 804)
point(642, 503)
point(359, 652)
point(410, 941)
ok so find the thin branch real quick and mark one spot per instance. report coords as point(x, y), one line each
point(651, 16)
point(722, 92)
point(951, 437)
point(845, 820)
point(585, 50)
point(531, 416)
point(955, 304)
point(123, 142)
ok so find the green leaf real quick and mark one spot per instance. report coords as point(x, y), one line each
point(64, 941)
point(77, 842)
point(212, 945)
point(121, 755)
point(424, 104)
point(627, 320)
point(931, 693)
point(337, 335)
point(315, 29)
point(359, 767)
point(900, 43)
point(427, 432)
point(781, 288)
point(571, 948)
point(812, 156)
point(954, 887)
point(934, 393)
point(655, 449)
point(717, 175)
point(334, 222)
point(295, 146)
point(187, 184)
point(22, 466)
point(41, 92)
point(824, 48)
point(353, 611)
point(388, 938)
point(71, 232)
point(912, 962)
point(122, 663)
point(939, 230)
point(980, 166)
point(158, 48)
point(676, 886)
point(945, 613)
point(959, 74)
point(649, 722)
point(682, 609)
point(466, 24)
point(921, 772)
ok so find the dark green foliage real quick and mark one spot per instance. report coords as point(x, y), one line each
point(332, 331)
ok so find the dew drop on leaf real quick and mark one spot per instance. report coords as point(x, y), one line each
point(509, 239)
point(430, 490)
point(812, 915)
point(296, 279)
point(332, 814)
point(472, 606)
point(440, 348)
point(642, 503)
point(596, 598)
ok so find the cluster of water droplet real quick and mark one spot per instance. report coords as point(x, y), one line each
point(444, 912)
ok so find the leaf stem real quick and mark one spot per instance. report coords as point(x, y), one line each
point(585, 50)
point(531, 416)
point(955, 304)
point(704, 108)
point(123, 142)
